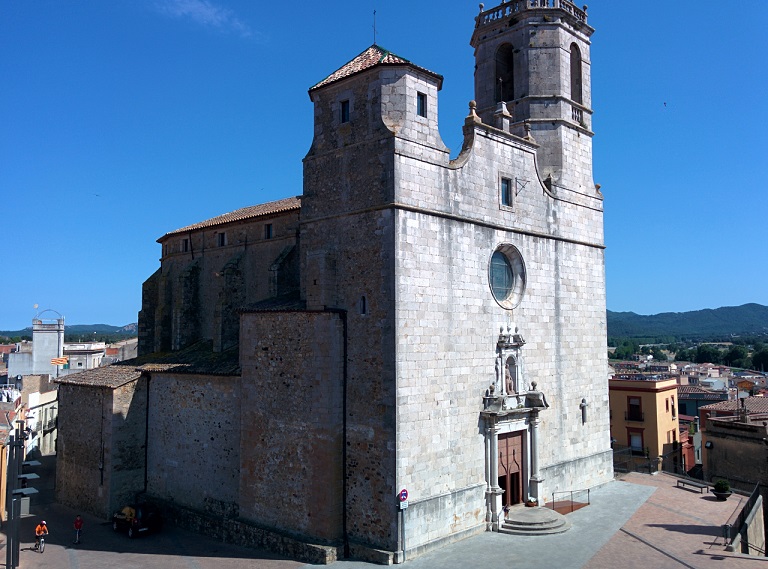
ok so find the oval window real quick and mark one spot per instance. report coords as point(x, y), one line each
point(507, 276)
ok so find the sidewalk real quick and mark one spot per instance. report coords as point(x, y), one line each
point(643, 521)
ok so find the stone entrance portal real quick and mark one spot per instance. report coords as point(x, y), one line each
point(511, 417)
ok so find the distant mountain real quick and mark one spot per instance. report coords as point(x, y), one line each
point(718, 322)
point(85, 330)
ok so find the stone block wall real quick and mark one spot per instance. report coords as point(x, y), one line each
point(194, 443)
point(448, 321)
point(100, 454)
point(197, 292)
point(292, 424)
point(126, 448)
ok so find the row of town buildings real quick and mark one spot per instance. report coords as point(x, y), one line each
point(658, 413)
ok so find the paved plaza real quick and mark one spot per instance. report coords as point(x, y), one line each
point(641, 521)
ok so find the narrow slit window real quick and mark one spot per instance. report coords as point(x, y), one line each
point(421, 104)
point(185, 245)
point(221, 239)
point(344, 112)
point(268, 231)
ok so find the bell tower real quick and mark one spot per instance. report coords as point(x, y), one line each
point(532, 69)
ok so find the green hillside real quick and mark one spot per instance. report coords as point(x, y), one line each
point(709, 323)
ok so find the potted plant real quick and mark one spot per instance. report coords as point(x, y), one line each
point(722, 490)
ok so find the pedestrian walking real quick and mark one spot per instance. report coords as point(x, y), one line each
point(78, 528)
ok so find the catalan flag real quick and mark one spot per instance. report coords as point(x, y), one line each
point(60, 361)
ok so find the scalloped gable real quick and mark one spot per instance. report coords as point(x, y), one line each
point(371, 57)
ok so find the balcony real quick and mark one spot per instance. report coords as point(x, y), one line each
point(635, 416)
point(577, 115)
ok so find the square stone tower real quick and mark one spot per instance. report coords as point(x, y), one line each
point(473, 290)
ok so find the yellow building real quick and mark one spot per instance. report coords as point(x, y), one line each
point(644, 416)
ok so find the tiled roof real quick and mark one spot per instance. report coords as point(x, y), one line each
point(371, 57)
point(286, 302)
point(753, 405)
point(696, 392)
point(251, 212)
point(111, 376)
point(691, 389)
point(198, 358)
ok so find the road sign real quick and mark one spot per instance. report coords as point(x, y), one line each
point(403, 495)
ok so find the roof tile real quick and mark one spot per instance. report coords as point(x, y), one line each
point(250, 212)
point(371, 57)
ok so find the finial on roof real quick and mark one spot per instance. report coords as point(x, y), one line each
point(482, 6)
point(472, 110)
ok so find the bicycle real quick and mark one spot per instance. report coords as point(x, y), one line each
point(40, 544)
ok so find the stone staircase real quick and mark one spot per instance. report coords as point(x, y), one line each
point(534, 521)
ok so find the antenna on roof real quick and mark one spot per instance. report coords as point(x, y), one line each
point(374, 26)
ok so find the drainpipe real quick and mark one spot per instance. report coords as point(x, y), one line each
point(343, 315)
point(146, 436)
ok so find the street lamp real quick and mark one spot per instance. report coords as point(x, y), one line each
point(15, 493)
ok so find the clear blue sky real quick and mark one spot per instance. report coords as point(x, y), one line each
point(120, 121)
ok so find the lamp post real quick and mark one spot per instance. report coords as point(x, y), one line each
point(14, 493)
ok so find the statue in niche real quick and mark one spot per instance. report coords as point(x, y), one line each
point(510, 376)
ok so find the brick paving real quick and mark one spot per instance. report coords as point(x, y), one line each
point(674, 528)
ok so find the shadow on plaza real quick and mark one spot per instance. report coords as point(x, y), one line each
point(712, 531)
point(97, 534)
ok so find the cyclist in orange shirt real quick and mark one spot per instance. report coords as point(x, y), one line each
point(40, 530)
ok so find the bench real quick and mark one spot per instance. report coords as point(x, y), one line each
point(693, 484)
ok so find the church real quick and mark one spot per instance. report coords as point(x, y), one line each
point(385, 363)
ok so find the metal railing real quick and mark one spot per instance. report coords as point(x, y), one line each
point(734, 529)
point(638, 416)
point(570, 493)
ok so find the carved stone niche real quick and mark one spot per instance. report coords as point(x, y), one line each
point(509, 369)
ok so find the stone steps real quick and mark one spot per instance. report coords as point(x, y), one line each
point(534, 521)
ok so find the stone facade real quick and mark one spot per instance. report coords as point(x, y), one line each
point(411, 322)
point(101, 439)
point(194, 455)
point(209, 270)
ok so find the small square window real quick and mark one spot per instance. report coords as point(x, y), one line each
point(421, 104)
point(268, 231)
point(344, 111)
point(506, 192)
point(221, 239)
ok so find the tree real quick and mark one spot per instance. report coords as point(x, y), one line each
point(659, 355)
point(760, 360)
point(707, 354)
point(683, 355)
point(736, 356)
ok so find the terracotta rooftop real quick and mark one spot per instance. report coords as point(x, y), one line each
point(251, 212)
point(370, 58)
point(199, 358)
point(286, 302)
point(696, 392)
point(753, 405)
point(111, 376)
